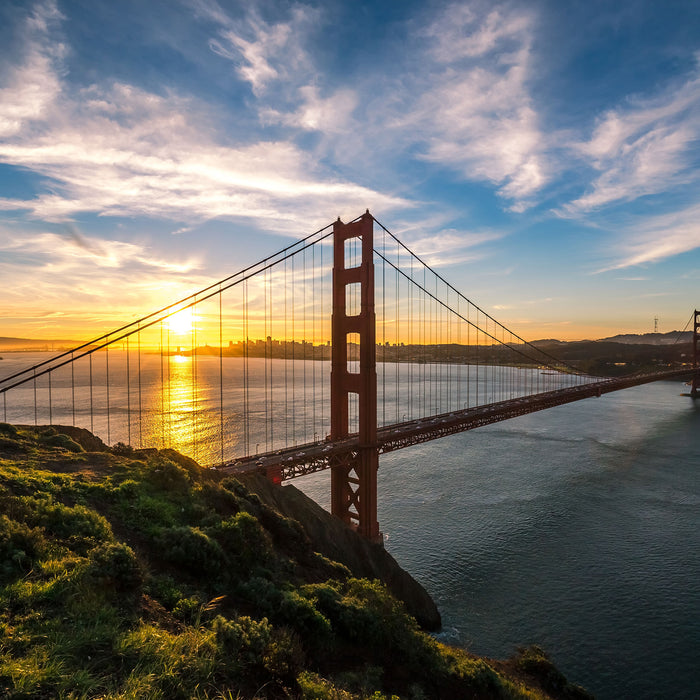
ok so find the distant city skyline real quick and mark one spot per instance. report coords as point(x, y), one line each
point(542, 156)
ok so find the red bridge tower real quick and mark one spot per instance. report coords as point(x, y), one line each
point(354, 474)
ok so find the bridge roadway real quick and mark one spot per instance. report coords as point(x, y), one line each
point(307, 458)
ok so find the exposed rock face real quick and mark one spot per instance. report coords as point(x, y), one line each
point(335, 540)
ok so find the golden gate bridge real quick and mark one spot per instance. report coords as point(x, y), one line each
point(338, 348)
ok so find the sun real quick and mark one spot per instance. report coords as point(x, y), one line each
point(182, 322)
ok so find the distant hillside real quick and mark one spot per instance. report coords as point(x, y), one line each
point(609, 358)
point(18, 344)
point(670, 338)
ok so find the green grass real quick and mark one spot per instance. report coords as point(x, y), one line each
point(123, 577)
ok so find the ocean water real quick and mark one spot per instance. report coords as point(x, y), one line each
point(576, 528)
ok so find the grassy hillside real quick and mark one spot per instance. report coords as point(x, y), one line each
point(140, 575)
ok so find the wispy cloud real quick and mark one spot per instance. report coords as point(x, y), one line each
point(31, 87)
point(476, 114)
point(120, 150)
point(646, 147)
point(265, 53)
point(70, 270)
point(656, 238)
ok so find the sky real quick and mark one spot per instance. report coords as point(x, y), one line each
point(541, 155)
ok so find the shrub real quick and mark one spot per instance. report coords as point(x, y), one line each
point(78, 527)
point(235, 486)
point(188, 610)
point(244, 540)
point(123, 450)
point(164, 589)
point(284, 657)
point(115, 564)
point(243, 638)
point(169, 476)
point(60, 440)
point(20, 546)
point(300, 613)
point(193, 550)
point(261, 593)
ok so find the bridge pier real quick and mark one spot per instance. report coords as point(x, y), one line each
point(695, 386)
point(354, 474)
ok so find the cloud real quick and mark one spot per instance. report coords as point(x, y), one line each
point(265, 53)
point(78, 271)
point(128, 152)
point(475, 113)
point(656, 238)
point(331, 114)
point(644, 148)
point(29, 89)
point(56, 253)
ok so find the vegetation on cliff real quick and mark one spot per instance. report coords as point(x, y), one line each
point(138, 574)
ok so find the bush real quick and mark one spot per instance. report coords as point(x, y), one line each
point(243, 638)
point(168, 476)
point(20, 546)
point(244, 540)
point(60, 440)
point(78, 527)
point(123, 450)
point(115, 564)
point(188, 610)
point(284, 657)
point(193, 550)
point(300, 613)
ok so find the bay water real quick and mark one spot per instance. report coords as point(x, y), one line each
point(576, 528)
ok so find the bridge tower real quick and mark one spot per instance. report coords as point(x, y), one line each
point(354, 474)
point(695, 388)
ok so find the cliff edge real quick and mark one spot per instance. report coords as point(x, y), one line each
point(338, 542)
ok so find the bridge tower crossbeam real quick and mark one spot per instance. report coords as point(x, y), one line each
point(354, 474)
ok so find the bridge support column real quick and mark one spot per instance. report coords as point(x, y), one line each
point(354, 394)
point(695, 387)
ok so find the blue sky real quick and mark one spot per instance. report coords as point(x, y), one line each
point(542, 155)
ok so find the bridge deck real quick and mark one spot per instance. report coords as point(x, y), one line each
point(316, 456)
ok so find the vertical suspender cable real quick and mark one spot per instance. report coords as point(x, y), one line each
point(109, 437)
point(195, 397)
point(170, 395)
point(396, 336)
point(92, 415)
point(221, 376)
point(272, 335)
point(268, 405)
point(246, 408)
point(128, 395)
point(313, 339)
point(286, 382)
point(162, 388)
point(294, 430)
point(72, 384)
point(138, 341)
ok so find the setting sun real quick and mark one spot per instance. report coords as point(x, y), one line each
point(182, 322)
